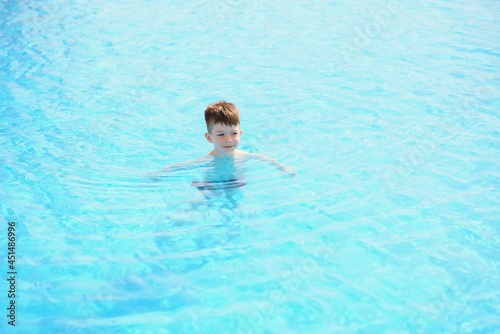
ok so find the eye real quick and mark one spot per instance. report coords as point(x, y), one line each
point(220, 135)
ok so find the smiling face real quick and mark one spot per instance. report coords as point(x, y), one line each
point(226, 139)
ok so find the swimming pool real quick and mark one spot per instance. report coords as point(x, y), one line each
point(388, 111)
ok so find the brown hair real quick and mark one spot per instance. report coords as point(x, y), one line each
point(221, 112)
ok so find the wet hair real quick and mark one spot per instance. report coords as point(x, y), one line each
point(221, 112)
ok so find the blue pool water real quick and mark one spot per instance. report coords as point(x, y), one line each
point(387, 110)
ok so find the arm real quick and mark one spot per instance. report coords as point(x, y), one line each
point(175, 166)
point(287, 169)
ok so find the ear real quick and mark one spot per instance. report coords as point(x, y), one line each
point(207, 135)
point(241, 132)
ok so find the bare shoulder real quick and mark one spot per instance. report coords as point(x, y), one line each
point(203, 158)
point(239, 153)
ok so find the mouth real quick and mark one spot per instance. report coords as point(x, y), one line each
point(227, 146)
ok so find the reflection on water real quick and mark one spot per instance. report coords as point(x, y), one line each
point(222, 179)
point(207, 221)
point(390, 167)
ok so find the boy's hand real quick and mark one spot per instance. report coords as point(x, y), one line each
point(289, 170)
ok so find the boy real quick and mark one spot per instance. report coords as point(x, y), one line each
point(223, 131)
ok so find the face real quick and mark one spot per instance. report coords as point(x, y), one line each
point(226, 138)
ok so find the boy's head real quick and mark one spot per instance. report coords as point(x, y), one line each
point(221, 112)
point(223, 126)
